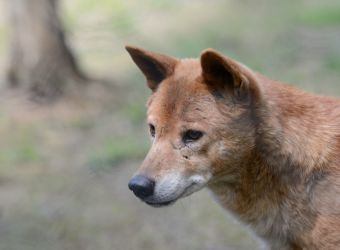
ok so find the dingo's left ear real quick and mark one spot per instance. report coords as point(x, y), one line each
point(156, 67)
point(223, 73)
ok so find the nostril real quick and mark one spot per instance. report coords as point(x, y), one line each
point(142, 186)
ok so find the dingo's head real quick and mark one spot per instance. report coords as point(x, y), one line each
point(199, 118)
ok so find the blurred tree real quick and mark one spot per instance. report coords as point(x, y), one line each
point(40, 59)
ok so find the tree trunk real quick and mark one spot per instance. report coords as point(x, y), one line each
point(40, 59)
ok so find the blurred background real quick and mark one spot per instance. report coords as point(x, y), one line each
point(72, 111)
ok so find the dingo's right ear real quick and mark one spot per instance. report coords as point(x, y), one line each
point(156, 67)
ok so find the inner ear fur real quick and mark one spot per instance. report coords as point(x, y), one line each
point(225, 74)
point(155, 67)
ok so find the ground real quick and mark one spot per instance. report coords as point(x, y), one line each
point(64, 167)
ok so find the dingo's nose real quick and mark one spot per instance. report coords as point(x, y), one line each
point(142, 186)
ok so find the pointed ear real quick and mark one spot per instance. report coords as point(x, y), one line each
point(156, 67)
point(225, 74)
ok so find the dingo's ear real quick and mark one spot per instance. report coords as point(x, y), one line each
point(224, 73)
point(156, 67)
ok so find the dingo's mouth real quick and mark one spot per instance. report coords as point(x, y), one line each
point(161, 204)
point(187, 191)
point(168, 189)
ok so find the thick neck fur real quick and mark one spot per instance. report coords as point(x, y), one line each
point(295, 129)
point(273, 193)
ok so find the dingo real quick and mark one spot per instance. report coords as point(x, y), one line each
point(269, 152)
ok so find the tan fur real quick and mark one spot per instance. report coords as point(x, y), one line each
point(273, 154)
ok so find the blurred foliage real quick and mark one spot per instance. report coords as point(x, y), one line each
point(245, 30)
point(324, 16)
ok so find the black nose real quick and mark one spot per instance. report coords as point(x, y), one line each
point(142, 186)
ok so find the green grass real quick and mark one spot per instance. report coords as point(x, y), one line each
point(323, 16)
point(332, 62)
point(135, 112)
point(82, 123)
point(116, 150)
point(21, 147)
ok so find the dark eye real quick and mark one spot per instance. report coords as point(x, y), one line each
point(152, 130)
point(191, 135)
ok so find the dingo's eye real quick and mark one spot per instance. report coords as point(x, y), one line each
point(191, 135)
point(152, 130)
